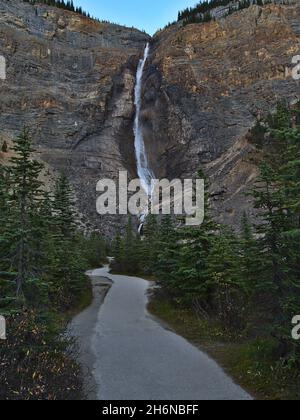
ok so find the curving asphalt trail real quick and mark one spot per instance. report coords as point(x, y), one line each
point(136, 358)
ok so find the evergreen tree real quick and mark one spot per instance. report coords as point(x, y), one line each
point(166, 265)
point(4, 208)
point(195, 246)
point(201, 12)
point(131, 250)
point(67, 259)
point(289, 190)
point(61, 4)
point(42, 263)
point(250, 264)
point(277, 197)
point(4, 147)
point(149, 246)
point(94, 249)
point(224, 283)
point(7, 274)
point(118, 254)
point(63, 207)
point(24, 200)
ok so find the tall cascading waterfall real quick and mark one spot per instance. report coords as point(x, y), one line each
point(144, 171)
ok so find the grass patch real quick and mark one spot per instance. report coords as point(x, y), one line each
point(251, 363)
point(84, 301)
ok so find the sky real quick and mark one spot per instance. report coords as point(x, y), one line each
point(148, 15)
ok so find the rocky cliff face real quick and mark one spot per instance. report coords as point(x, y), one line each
point(71, 80)
point(206, 85)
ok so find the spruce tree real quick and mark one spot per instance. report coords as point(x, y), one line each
point(94, 249)
point(25, 199)
point(7, 274)
point(67, 263)
point(149, 246)
point(131, 250)
point(289, 189)
point(195, 246)
point(63, 207)
point(4, 147)
point(277, 197)
point(118, 254)
point(250, 265)
point(166, 266)
point(224, 284)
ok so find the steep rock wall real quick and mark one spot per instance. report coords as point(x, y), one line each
point(204, 88)
point(71, 80)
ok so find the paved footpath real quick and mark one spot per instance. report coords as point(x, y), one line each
point(136, 358)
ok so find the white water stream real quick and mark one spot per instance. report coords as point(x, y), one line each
point(144, 172)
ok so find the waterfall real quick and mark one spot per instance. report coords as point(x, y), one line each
point(144, 172)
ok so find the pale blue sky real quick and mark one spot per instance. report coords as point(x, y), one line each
point(149, 15)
